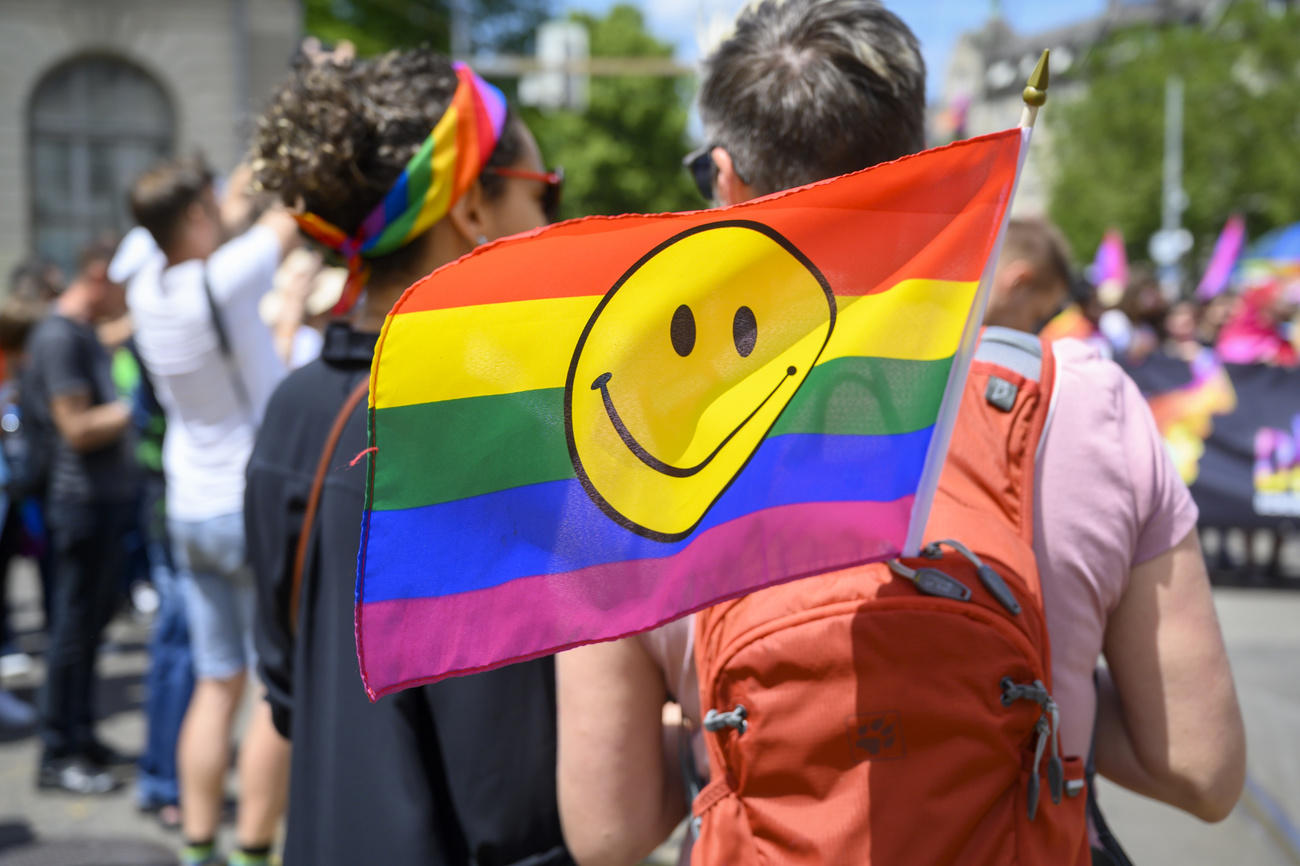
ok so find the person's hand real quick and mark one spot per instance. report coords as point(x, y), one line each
point(295, 279)
point(238, 200)
point(293, 283)
point(316, 54)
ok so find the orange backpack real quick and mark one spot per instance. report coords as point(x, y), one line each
point(901, 713)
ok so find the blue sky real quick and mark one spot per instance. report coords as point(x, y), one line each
point(937, 23)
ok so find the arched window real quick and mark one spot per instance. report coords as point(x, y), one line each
point(95, 124)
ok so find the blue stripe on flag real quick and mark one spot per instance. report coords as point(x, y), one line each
point(554, 527)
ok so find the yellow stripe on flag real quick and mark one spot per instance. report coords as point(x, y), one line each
point(916, 320)
point(525, 345)
point(481, 350)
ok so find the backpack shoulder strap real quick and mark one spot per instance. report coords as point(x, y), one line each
point(313, 498)
point(1030, 357)
point(1014, 350)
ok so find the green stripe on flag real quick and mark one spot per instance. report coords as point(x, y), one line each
point(439, 452)
point(867, 397)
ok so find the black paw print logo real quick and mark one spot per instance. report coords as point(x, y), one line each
point(876, 736)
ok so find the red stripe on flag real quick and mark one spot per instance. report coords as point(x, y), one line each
point(928, 216)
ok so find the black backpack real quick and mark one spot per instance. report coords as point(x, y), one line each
point(28, 441)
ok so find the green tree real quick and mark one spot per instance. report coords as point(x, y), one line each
point(1241, 75)
point(375, 26)
point(623, 154)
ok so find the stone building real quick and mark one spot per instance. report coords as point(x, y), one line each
point(988, 69)
point(93, 91)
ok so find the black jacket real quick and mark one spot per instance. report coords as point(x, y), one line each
point(460, 772)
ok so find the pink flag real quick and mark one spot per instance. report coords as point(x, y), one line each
point(1226, 250)
point(1111, 264)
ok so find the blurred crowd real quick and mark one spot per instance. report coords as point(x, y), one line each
point(1253, 318)
point(74, 338)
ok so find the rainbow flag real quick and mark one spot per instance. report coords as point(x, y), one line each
point(1185, 415)
point(591, 429)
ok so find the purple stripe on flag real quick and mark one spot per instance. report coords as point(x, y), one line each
point(535, 616)
point(393, 205)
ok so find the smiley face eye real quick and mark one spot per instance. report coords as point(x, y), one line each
point(682, 330)
point(744, 331)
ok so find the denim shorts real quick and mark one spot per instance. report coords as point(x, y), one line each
point(217, 585)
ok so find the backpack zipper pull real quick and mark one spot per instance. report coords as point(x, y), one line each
point(932, 581)
point(1055, 769)
point(992, 581)
point(1044, 733)
point(715, 721)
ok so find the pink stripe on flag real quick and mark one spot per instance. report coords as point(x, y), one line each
point(1226, 250)
point(559, 611)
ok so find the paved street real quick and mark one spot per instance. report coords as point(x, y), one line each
point(1263, 639)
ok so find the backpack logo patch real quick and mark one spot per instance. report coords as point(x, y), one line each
point(1001, 394)
point(876, 736)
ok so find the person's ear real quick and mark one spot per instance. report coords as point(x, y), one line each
point(469, 216)
point(1015, 280)
point(728, 187)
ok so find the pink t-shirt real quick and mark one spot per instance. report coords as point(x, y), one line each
point(1108, 499)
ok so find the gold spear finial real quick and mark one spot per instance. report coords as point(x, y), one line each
point(1035, 92)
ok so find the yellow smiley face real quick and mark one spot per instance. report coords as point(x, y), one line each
point(685, 365)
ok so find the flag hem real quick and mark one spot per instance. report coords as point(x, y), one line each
point(951, 403)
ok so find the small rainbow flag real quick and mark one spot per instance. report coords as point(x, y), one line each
point(591, 429)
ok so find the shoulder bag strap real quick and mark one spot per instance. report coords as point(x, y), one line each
point(1111, 853)
point(313, 498)
point(223, 343)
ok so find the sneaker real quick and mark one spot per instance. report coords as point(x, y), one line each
point(103, 755)
point(76, 775)
point(200, 855)
point(14, 712)
point(144, 599)
point(15, 664)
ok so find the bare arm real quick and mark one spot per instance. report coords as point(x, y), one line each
point(85, 427)
point(277, 219)
point(619, 795)
point(240, 206)
point(1168, 723)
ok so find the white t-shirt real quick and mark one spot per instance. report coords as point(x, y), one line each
point(210, 429)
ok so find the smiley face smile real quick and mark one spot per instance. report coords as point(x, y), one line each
point(602, 384)
point(698, 348)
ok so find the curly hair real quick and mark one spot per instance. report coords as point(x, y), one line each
point(336, 135)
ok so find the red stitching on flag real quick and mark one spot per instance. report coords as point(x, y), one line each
point(357, 459)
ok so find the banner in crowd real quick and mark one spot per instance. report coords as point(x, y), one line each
point(595, 428)
point(1234, 433)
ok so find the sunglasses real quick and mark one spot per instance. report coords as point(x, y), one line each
point(554, 181)
point(703, 170)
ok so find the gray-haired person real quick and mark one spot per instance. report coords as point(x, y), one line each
point(809, 89)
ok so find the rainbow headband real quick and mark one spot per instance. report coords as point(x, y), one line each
point(446, 165)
